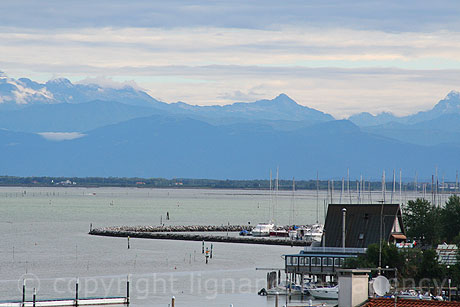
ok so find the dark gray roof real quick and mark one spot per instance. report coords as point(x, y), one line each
point(362, 224)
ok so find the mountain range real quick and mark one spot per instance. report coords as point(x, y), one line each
point(66, 129)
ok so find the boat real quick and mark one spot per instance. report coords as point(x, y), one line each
point(279, 232)
point(244, 232)
point(281, 289)
point(328, 293)
point(314, 233)
point(262, 230)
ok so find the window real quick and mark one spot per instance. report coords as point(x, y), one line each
point(342, 260)
point(307, 260)
point(329, 261)
point(336, 262)
point(313, 261)
point(294, 260)
point(324, 261)
point(301, 260)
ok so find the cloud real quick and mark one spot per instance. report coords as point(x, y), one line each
point(393, 15)
point(108, 82)
point(61, 136)
point(335, 56)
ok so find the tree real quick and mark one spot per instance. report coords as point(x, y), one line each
point(391, 257)
point(450, 218)
point(422, 221)
point(429, 266)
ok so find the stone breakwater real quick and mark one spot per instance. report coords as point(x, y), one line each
point(190, 228)
point(172, 234)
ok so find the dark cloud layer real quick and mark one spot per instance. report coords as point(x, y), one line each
point(392, 16)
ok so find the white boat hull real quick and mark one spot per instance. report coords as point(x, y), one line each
point(325, 293)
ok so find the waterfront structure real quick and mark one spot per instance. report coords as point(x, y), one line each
point(365, 224)
point(348, 231)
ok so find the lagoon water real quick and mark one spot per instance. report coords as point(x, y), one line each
point(45, 240)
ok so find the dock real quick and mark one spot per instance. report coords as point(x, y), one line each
point(178, 233)
point(70, 302)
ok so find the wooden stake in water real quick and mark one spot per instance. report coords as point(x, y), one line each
point(128, 243)
point(76, 292)
point(23, 292)
point(127, 289)
point(173, 301)
point(34, 298)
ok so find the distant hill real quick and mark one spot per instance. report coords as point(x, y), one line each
point(165, 146)
point(440, 125)
point(66, 117)
point(98, 131)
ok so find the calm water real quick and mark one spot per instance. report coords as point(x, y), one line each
point(45, 240)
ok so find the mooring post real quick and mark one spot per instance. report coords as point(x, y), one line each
point(207, 255)
point(90, 227)
point(202, 247)
point(128, 242)
point(211, 250)
point(127, 290)
point(76, 292)
point(34, 297)
point(173, 301)
point(276, 299)
point(23, 292)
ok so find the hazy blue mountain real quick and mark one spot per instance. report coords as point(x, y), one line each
point(46, 107)
point(24, 91)
point(449, 105)
point(175, 146)
point(65, 117)
point(280, 108)
point(443, 129)
point(366, 119)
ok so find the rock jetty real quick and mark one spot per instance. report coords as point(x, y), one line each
point(183, 233)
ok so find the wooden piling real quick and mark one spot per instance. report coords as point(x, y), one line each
point(23, 292)
point(76, 292)
point(34, 298)
point(173, 301)
point(127, 290)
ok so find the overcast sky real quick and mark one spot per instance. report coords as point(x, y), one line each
point(338, 57)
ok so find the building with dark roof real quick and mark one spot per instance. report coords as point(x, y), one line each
point(364, 225)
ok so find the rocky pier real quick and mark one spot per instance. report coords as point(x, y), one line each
point(192, 233)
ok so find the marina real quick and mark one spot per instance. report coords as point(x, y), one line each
point(46, 241)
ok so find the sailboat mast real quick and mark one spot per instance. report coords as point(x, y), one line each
point(270, 202)
point(343, 189)
point(348, 183)
point(383, 186)
point(394, 186)
point(317, 196)
point(400, 187)
point(276, 191)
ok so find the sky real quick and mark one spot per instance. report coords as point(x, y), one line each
point(341, 57)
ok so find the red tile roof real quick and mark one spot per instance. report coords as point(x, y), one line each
point(389, 302)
